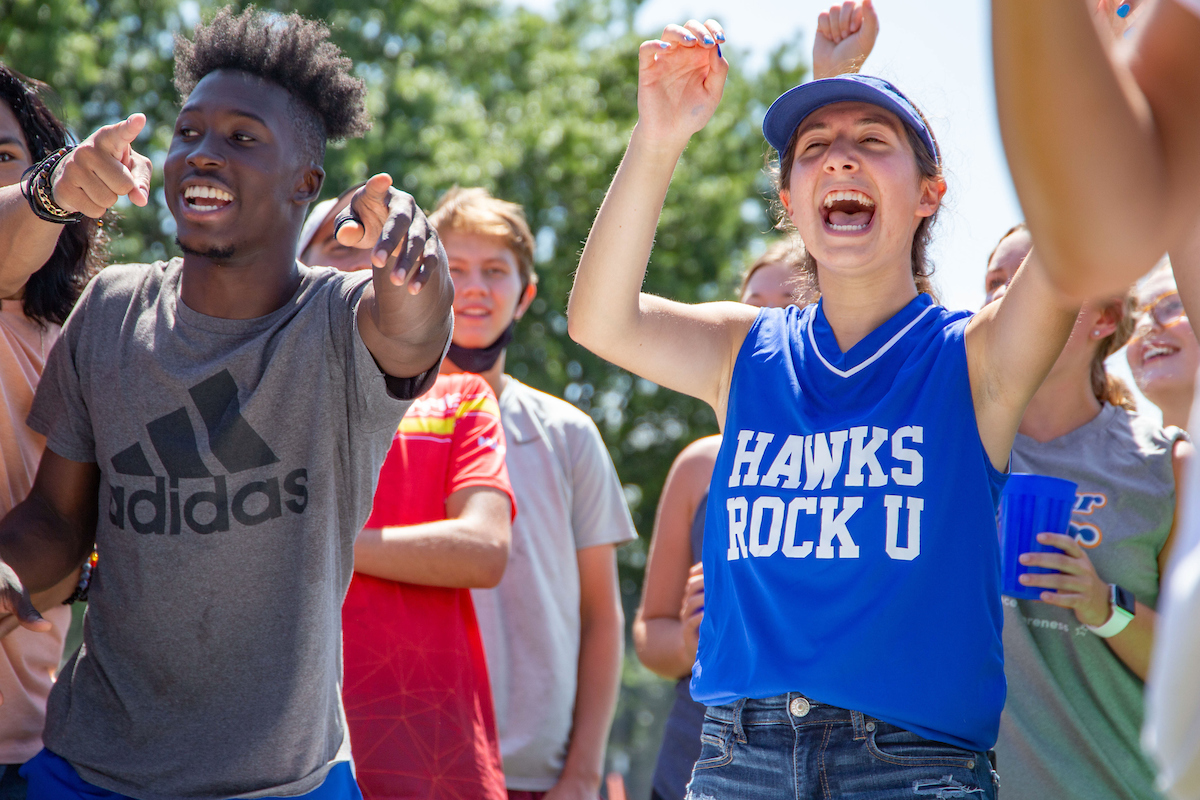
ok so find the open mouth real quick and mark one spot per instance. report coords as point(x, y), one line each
point(206, 198)
point(1156, 351)
point(848, 211)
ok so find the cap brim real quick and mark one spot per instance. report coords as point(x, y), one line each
point(793, 106)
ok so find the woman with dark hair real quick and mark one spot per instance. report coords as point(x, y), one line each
point(39, 285)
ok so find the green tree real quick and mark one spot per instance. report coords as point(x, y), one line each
point(475, 92)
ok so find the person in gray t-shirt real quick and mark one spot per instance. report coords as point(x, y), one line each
point(1070, 729)
point(215, 425)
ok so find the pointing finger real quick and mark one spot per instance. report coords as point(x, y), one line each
point(116, 139)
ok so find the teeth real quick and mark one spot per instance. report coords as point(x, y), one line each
point(199, 192)
point(847, 227)
point(1155, 352)
point(851, 194)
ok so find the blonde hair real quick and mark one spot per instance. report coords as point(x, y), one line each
point(1110, 388)
point(476, 211)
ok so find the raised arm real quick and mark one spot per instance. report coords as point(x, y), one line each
point(1011, 345)
point(89, 180)
point(846, 35)
point(689, 348)
point(468, 549)
point(404, 316)
point(47, 536)
point(1101, 141)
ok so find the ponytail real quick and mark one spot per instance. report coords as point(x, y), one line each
point(1109, 388)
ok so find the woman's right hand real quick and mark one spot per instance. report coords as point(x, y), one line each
point(680, 80)
point(692, 612)
point(846, 35)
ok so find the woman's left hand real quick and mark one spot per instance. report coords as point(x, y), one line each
point(1077, 586)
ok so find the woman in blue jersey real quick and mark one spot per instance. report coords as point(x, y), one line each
point(850, 645)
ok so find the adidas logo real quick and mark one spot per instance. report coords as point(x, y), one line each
point(232, 442)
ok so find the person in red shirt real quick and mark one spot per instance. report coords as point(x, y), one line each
point(416, 685)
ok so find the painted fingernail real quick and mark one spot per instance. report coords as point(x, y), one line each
point(687, 37)
point(709, 40)
point(1123, 10)
point(720, 37)
point(664, 45)
point(718, 51)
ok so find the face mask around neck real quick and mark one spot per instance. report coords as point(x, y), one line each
point(481, 359)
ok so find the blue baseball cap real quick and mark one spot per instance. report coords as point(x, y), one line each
point(786, 113)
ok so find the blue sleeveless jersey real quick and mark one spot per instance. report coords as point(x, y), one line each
point(851, 550)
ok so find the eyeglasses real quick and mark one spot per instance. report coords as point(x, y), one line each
point(1164, 311)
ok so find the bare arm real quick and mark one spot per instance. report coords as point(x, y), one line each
point(47, 536)
point(1011, 346)
point(601, 645)
point(1185, 265)
point(1103, 199)
point(468, 549)
point(687, 348)
point(404, 316)
point(658, 628)
point(26, 242)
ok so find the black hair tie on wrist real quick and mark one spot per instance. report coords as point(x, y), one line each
point(38, 191)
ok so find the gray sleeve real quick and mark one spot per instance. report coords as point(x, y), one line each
point(375, 400)
point(59, 410)
point(599, 514)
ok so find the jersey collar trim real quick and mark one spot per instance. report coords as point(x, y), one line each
point(846, 373)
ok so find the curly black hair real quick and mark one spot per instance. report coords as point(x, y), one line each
point(82, 249)
point(290, 51)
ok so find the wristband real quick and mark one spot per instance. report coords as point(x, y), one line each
point(85, 580)
point(38, 189)
point(1123, 609)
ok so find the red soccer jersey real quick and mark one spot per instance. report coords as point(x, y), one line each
point(416, 683)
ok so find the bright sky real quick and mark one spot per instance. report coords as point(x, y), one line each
point(939, 53)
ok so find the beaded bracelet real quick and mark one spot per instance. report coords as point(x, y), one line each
point(38, 190)
point(85, 579)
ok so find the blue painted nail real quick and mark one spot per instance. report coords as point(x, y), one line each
point(708, 40)
point(1123, 10)
point(687, 37)
point(720, 37)
point(663, 45)
point(718, 51)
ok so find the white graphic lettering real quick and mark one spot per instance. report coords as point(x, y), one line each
point(737, 507)
point(787, 464)
point(912, 549)
point(862, 454)
point(823, 458)
point(834, 527)
point(751, 458)
point(798, 504)
point(774, 505)
point(901, 453)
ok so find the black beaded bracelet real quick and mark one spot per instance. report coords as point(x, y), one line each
point(38, 191)
point(85, 580)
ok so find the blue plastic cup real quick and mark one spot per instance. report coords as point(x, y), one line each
point(1031, 504)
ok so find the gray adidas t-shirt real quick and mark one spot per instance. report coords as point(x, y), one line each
point(238, 462)
point(1070, 729)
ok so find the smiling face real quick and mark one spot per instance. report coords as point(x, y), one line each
point(14, 150)
point(487, 288)
point(237, 178)
point(855, 192)
point(1162, 358)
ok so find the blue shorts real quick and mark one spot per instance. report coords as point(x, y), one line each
point(52, 778)
point(792, 747)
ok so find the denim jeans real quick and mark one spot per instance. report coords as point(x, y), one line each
point(791, 747)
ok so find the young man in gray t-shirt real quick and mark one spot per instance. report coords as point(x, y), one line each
point(215, 426)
